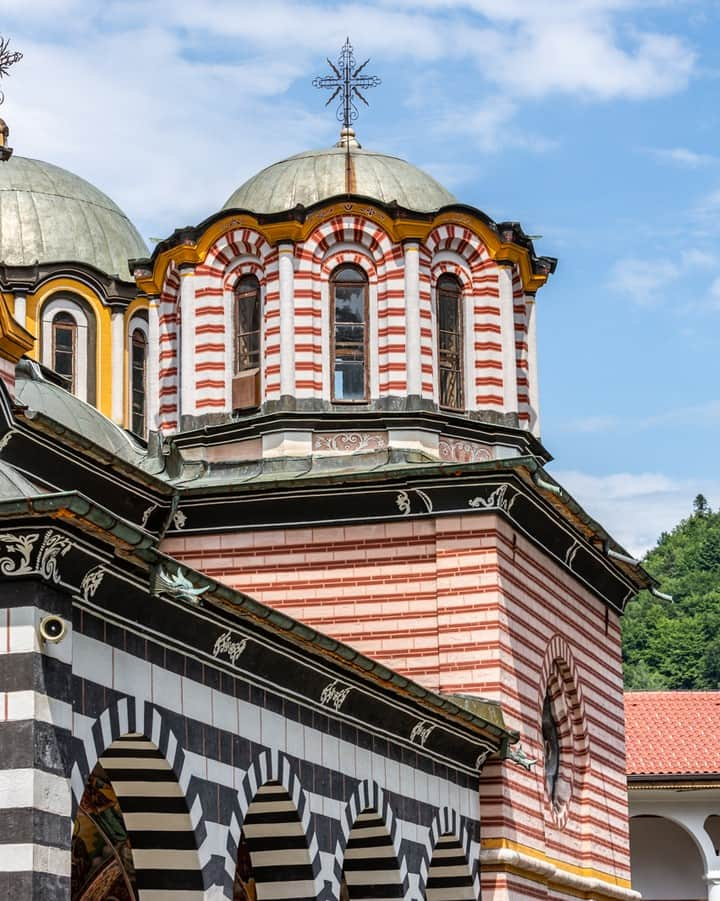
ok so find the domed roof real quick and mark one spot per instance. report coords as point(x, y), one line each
point(319, 174)
point(39, 395)
point(49, 215)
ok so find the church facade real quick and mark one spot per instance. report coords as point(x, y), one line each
point(291, 607)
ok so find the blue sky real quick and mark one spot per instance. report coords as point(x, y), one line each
point(592, 122)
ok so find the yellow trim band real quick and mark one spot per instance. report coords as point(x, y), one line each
point(505, 855)
point(294, 231)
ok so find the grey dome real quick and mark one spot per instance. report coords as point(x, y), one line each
point(319, 174)
point(49, 215)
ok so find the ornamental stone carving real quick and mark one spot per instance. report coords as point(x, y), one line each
point(453, 450)
point(22, 545)
point(349, 442)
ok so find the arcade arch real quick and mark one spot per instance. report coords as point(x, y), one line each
point(133, 834)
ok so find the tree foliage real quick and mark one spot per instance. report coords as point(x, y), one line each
point(677, 645)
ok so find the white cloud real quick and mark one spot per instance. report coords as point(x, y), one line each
point(592, 424)
point(636, 508)
point(691, 415)
point(643, 281)
point(170, 105)
point(700, 259)
point(682, 156)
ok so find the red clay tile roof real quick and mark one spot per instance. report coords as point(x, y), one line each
point(672, 732)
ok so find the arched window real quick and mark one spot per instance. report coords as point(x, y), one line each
point(138, 381)
point(64, 347)
point(247, 324)
point(348, 289)
point(68, 342)
point(449, 342)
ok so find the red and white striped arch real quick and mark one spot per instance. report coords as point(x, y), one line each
point(483, 314)
point(236, 253)
point(391, 328)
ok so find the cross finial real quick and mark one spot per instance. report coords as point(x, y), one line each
point(7, 58)
point(346, 82)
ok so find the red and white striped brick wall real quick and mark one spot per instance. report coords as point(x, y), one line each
point(521, 348)
point(213, 310)
point(349, 238)
point(462, 604)
point(168, 364)
point(428, 361)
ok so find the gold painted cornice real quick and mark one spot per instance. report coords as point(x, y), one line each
point(14, 339)
point(401, 228)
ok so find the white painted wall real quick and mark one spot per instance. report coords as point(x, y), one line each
point(665, 861)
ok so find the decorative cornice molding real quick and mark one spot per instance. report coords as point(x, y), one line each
point(505, 242)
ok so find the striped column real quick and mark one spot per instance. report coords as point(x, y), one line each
point(507, 334)
point(168, 353)
point(533, 386)
point(521, 349)
point(157, 820)
point(370, 866)
point(412, 318)
point(449, 877)
point(186, 375)
point(428, 363)
point(486, 349)
point(35, 737)
point(286, 280)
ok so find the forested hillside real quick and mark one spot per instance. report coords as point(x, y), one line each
point(677, 645)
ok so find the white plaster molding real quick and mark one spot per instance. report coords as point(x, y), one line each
point(286, 287)
point(412, 318)
point(117, 365)
point(373, 360)
point(153, 370)
point(549, 872)
point(20, 309)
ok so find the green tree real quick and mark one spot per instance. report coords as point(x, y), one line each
point(677, 645)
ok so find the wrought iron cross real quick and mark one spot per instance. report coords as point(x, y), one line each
point(346, 81)
point(7, 58)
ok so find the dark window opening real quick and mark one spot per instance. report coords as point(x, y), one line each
point(349, 323)
point(64, 347)
point(449, 342)
point(138, 385)
point(247, 324)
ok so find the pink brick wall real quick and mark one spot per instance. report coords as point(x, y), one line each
point(463, 604)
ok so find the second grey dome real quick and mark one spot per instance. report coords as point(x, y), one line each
point(316, 175)
point(50, 215)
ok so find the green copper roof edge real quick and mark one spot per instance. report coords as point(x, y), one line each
point(95, 451)
point(411, 472)
point(97, 516)
point(85, 509)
